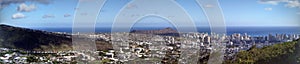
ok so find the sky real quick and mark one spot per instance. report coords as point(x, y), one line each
point(61, 13)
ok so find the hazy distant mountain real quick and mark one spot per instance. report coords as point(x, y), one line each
point(166, 31)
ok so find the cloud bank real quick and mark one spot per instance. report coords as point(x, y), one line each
point(4, 3)
point(287, 3)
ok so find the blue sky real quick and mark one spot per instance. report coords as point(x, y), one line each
point(60, 13)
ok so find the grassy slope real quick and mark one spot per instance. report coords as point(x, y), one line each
point(284, 53)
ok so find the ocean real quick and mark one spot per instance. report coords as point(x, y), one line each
point(253, 31)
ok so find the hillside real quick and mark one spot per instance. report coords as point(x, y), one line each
point(28, 39)
point(284, 53)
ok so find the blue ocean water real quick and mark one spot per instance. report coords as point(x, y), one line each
point(253, 31)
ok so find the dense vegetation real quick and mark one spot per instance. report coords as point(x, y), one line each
point(27, 39)
point(283, 53)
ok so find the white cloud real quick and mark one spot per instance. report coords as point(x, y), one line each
point(18, 16)
point(48, 16)
point(270, 2)
point(4, 3)
point(292, 4)
point(287, 3)
point(268, 9)
point(25, 8)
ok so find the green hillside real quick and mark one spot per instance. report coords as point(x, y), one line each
point(283, 53)
point(28, 39)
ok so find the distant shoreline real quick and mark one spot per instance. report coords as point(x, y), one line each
point(253, 31)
